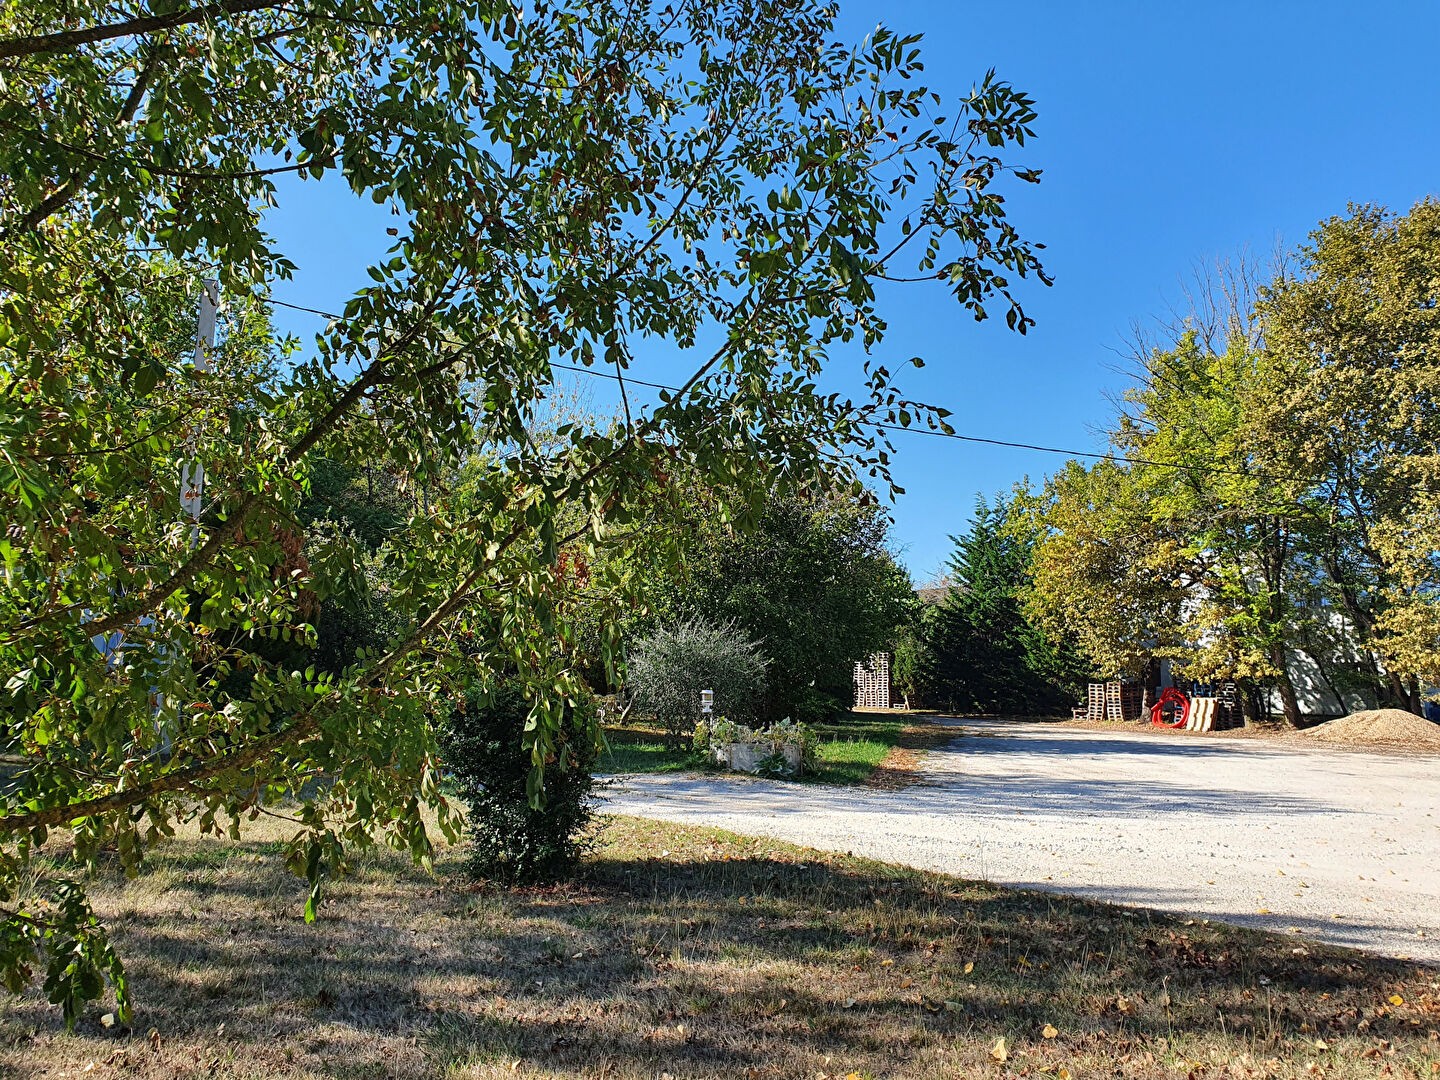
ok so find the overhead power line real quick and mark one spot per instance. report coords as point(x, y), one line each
point(1093, 455)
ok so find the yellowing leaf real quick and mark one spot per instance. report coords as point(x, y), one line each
point(998, 1051)
point(969, 967)
point(1062, 1073)
point(1396, 999)
point(1049, 1031)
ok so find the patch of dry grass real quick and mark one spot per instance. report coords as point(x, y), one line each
point(901, 765)
point(692, 952)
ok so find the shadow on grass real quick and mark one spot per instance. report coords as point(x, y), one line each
point(700, 953)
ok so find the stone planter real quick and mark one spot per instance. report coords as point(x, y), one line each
point(747, 756)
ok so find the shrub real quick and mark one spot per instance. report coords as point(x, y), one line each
point(511, 842)
point(668, 669)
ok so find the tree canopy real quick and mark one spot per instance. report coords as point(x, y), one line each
point(978, 649)
point(564, 184)
point(812, 583)
point(1272, 496)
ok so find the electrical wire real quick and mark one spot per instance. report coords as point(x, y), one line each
point(1093, 455)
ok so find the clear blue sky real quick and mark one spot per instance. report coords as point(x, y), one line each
point(1169, 134)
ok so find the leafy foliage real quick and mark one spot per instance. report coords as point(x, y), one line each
point(977, 650)
point(1280, 489)
point(668, 669)
point(726, 178)
point(512, 841)
point(814, 586)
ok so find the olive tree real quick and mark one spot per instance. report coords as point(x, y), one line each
point(566, 184)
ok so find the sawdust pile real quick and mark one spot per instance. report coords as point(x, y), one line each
point(1379, 727)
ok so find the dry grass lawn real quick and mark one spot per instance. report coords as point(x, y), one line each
point(690, 953)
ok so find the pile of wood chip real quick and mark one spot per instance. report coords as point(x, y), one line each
point(1379, 727)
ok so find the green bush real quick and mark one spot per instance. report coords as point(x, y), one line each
point(667, 670)
point(512, 842)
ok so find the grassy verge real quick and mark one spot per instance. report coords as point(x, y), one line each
point(640, 748)
point(692, 952)
point(851, 751)
point(861, 748)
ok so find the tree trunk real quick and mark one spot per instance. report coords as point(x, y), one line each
point(1288, 700)
point(1247, 705)
point(1329, 681)
point(1397, 698)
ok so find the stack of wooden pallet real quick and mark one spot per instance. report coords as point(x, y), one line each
point(1114, 701)
point(872, 682)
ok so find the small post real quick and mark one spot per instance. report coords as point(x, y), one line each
point(192, 473)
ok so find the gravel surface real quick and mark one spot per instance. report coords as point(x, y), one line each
point(1338, 845)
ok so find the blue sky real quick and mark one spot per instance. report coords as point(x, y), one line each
point(1169, 135)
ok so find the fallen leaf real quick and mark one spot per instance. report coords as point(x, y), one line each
point(1396, 999)
point(1062, 1073)
point(1321, 1044)
point(954, 1006)
point(849, 1003)
point(1049, 1031)
point(108, 1020)
point(887, 963)
point(969, 967)
point(998, 1051)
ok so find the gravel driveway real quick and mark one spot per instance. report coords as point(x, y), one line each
point(1339, 845)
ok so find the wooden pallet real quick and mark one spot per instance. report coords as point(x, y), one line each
point(1114, 701)
point(872, 682)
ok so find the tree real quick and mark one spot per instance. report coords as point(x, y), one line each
point(722, 178)
point(977, 649)
point(1275, 478)
point(1211, 537)
point(815, 587)
point(670, 667)
point(1353, 346)
point(1104, 573)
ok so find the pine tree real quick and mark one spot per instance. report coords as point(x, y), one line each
point(979, 652)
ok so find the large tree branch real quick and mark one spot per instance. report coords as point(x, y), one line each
point(135, 164)
point(200, 558)
point(179, 779)
point(58, 198)
point(146, 24)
